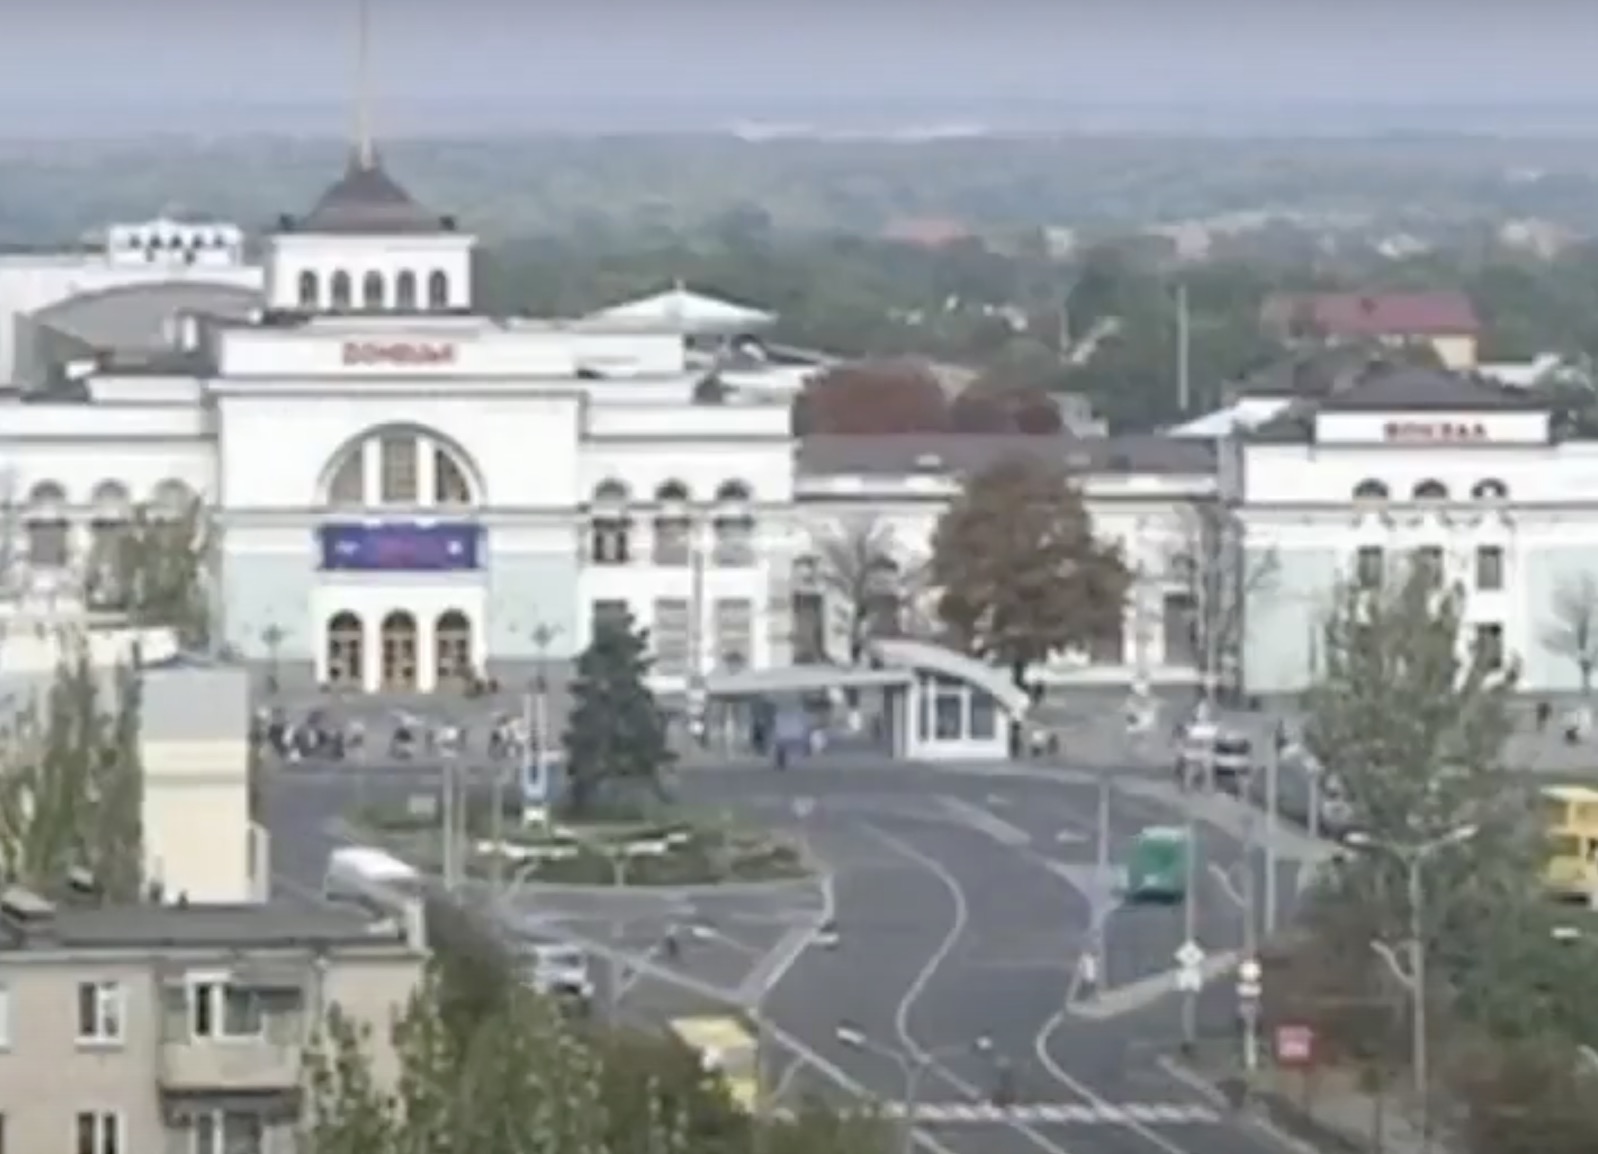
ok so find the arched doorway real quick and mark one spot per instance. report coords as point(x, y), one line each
point(452, 650)
point(346, 651)
point(398, 640)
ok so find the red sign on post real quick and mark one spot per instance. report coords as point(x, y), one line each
point(398, 354)
point(1295, 1045)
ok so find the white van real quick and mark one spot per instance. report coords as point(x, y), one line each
point(1210, 756)
point(557, 969)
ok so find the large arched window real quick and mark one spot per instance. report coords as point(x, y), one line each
point(372, 290)
point(310, 290)
point(110, 519)
point(405, 291)
point(437, 290)
point(1490, 489)
point(1370, 490)
point(172, 498)
point(673, 543)
point(734, 525)
point(609, 525)
point(340, 294)
point(48, 531)
point(400, 466)
point(397, 640)
point(1430, 490)
point(452, 650)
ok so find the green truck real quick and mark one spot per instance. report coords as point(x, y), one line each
point(1158, 867)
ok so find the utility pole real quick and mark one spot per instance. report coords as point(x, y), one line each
point(1184, 386)
point(697, 704)
point(1273, 780)
point(1105, 897)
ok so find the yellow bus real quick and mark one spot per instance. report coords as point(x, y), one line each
point(1570, 819)
point(726, 1046)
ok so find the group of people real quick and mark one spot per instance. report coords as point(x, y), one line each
point(318, 735)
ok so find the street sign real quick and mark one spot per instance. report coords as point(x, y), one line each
point(535, 790)
point(1190, 955)
point(803, 807)
point(1190, 981)
point(1295, 1045)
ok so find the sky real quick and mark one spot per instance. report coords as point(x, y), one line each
point(96, 65)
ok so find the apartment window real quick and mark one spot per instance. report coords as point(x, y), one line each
point(734, 633)
point(220, 1010)
point(671, 636)
point(1368, 567)
point(1430, 560)
point(228, 1132)
point(99, 1132)
point(1490, 645)
point(1489, 568)
point(607, 612)
point(99, 1012)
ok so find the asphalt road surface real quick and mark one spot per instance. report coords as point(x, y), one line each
point(962, 901)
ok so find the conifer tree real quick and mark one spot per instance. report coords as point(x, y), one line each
point(616, 737)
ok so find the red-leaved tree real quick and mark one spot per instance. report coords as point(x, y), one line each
point(872, 398)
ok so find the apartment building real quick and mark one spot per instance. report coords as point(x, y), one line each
point(179, 1029)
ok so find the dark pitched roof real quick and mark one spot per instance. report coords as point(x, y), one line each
point(936, 454)
point(1418, 389)
point(1373, 314)
point(366, 200)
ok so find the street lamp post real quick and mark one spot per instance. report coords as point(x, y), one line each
point(1413, 858)
point(913, 1071)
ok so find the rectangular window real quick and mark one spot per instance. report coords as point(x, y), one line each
point(1179, 617)
point(396, 458)
point(607, 612)
point(809, 627)
point(1429, 558)
point(734, 542)
point(670, 635)
point(219, 1010)
point(229, 1132)
point(948, 711)
point(1489, 568)
point(1490, 645)
point(1369, 567)
point(672, 541)
point(734, 632)
point(984, 716)
point(99, 1132)
point(99, 1012)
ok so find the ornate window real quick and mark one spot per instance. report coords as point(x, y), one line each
point(1490, 489)
point(1430, 490)
point(405, 291)
point(734, 525)
point(347, 490)
point(1370, 490)
point(450, 486)
point(310, 290)
point(49, 533)
point(372, 290)
point(399, 466)
point(340, 293)
point(673, 525)
point(609, 525)
point(437, 291)
point(346, 651)
point(452, 649)
point(398, 640)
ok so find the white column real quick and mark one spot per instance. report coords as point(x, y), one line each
point(372, 471)
point(426, 653)
point(426, 471)
point(372, 655)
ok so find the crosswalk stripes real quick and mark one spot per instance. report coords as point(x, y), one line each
point(1054, 1114)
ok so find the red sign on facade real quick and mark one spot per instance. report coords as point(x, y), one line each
point(1295, 1045)
point(397, 354)
point(1435, 432)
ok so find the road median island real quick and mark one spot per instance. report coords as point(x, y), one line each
point(671, 850)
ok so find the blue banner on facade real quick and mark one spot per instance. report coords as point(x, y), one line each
point(400, 548)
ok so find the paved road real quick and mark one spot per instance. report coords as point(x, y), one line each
point(962, 903)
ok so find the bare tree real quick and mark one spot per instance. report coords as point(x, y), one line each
point(1218, 578)
point(867, 586)
point(1574, 630)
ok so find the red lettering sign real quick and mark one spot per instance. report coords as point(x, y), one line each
point(407, 354)
point(1295, 1045)
point(1435, 432)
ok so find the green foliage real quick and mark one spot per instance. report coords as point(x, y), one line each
point(155, 570)
point(1527, 1096)
point(616, 737)
point(71, 781)
point(1021, 573)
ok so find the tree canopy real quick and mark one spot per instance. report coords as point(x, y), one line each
point(1020, 572)
point(616, 736)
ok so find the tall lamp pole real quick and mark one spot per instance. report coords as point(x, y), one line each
point(1414, 857)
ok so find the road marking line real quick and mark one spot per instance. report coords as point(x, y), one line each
point(985, 822)
point(1145, 992)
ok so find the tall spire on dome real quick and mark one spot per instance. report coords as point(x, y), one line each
point(365, 149)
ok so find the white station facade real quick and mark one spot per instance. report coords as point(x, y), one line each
point(408, 495)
